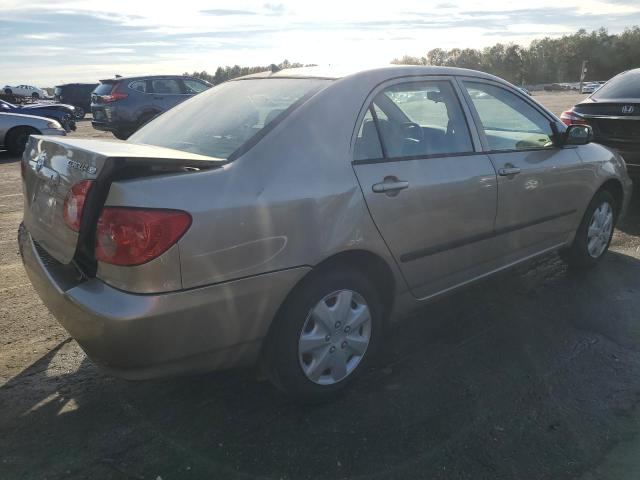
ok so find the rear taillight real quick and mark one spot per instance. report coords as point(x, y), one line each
point(114, 96)
point(133, 236)
point(74, 204)
point(569, 117)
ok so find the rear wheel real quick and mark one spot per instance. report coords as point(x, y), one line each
point(325, 335)
point(17, 139)
point(35, 95)
point(594, 233)
point(79, 113)
point(121, 134)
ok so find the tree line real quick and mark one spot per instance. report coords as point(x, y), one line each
point(545, 60)
point(223, 74)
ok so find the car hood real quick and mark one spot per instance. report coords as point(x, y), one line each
point(22, 117)
point(62, 107)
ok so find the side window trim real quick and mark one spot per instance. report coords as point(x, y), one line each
point(478, 122)
point(383, 147)
point(467, 113)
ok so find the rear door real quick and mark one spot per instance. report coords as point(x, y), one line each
point(167, 92)
point(431, 193)
point(542, 188)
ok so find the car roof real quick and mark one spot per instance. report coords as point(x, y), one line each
point(143, 77)
point(335, 72)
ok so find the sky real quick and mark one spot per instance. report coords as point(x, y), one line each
point(50, 42)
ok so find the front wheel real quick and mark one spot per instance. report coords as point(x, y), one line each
point(79, 113)
point(325, 335)
point(594, 233)
point(8, 91)
point(35, 95)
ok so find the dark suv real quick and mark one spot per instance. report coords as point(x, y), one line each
point(76, 94)
point(122, 105)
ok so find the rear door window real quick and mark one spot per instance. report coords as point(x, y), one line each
point(139, 86)
point(167, 86)
point(193, 86)
point(418, 119)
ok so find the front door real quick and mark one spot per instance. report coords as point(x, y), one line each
point(431, 194)
point(541, 187)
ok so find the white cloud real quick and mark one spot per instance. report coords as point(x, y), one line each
point(153, 37)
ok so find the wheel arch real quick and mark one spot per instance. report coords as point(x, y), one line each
point(18, 127)
point(614, 186)
point(365, 261)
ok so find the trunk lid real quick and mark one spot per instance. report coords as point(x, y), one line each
point(51, 166)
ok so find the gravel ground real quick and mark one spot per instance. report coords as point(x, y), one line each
point(534, 374)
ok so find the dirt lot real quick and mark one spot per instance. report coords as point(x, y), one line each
point(534, 374)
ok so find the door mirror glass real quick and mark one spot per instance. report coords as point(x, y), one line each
point(578, 135)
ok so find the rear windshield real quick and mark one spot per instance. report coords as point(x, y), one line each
point(103, 89)
point(625, 85)
point(219, 121)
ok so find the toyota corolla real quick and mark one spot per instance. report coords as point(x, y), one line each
point(282, 219)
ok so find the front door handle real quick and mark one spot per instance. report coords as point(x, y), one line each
point(507, 171)
point(384, 187)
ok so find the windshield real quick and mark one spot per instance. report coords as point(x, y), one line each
point(219, 121)
point(625, 85)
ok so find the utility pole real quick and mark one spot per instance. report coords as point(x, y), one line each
point(583, 72)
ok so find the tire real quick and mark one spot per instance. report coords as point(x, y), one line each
point(17, 139)
point(331, 343)
point(144, 119)
point(80, 113)
point(121, 135)
point(35, 95)
point(586, 251)
point(8, 91)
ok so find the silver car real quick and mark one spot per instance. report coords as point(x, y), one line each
point(16, 128)
point(284, 218)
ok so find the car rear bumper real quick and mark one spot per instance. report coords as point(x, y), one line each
point(145, 336)
point(104, 126)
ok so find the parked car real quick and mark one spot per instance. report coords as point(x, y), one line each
point(590, 87)
point(613, 111)
point(76, 94)
point(15, 130)
point(25, 91)
point(65, 114)
point(122, 105)
point(284, 218)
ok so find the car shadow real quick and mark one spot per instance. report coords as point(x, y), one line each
point(532, 374)
point(6, 157)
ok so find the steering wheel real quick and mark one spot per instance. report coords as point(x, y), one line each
point(413, 131)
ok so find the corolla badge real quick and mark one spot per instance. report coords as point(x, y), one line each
point(627, 109)
point(83, 167)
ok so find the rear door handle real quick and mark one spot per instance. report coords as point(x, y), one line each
point(383, 187)
point(505, 172)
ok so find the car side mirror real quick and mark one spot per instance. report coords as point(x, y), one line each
point(578, 135)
